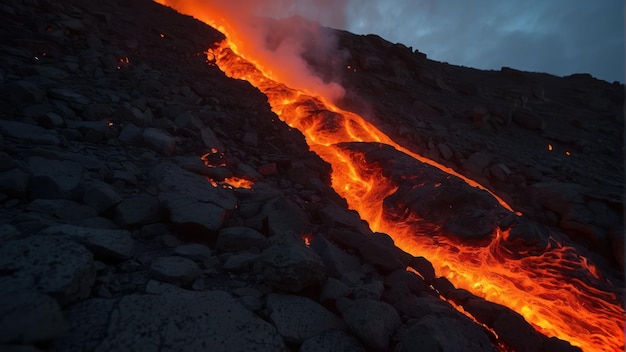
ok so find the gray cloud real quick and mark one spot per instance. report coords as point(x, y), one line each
point(560, 37)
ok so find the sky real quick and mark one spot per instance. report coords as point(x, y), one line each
point(559, 37)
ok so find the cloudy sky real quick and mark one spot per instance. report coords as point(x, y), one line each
point(560, 37)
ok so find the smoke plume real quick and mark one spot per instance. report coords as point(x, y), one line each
point(276, 33)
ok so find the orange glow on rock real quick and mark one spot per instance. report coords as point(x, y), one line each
point(307, 239)
point(548, 288)
point(231, 182)
point(237, 182)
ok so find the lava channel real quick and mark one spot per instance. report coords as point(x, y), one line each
point(470, 236)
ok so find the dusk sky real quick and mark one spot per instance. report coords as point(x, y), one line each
point(560, 37)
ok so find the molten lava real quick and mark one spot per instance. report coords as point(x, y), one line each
point(215, 158)
point(551, 289)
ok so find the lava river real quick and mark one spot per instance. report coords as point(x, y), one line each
point(405, 195)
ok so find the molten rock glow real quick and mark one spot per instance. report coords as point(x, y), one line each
point(558, 291)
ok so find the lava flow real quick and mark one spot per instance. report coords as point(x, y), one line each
point(558, 291)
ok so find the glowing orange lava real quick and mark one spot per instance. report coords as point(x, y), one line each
point(238, 182)
point(549, 288)
point(215, 158)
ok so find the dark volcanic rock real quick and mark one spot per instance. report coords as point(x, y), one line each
point(338, 263)
point(55, 178)
point(238, 238)
point(332, 341)
point(191, 200)
point(51, 265)
point(160, 141)
point(140, 210)
point(281, 215)
point(528, 119)
point(27, 133)
point(424, 267)
point(432, 333)
point(62, 209)
point(401, 283)
point(333, 289)
point(374, 322)
point(193, 251)
point(376, 248)
point(29, 317)
point(586, 216)
point(8, 232)
point(432, 196)
point(100, 195)
point(22, 92)
point(240, 262)
point(298, 318)
point(177, 270)
point(103, 243)
point(290, 265)
point(511, 327)
point(14, 182)
point(169, 320)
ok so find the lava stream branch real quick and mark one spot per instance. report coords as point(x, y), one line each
point(537, 286)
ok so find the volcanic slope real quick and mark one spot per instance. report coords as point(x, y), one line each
point(552, 146)
point(114, 237)
point(544, 258)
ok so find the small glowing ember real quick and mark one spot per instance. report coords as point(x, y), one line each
point(307, 239)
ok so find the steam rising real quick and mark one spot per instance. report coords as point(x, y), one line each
point(278, 46)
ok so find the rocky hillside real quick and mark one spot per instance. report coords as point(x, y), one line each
point(551, 147)
point(119, 230)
